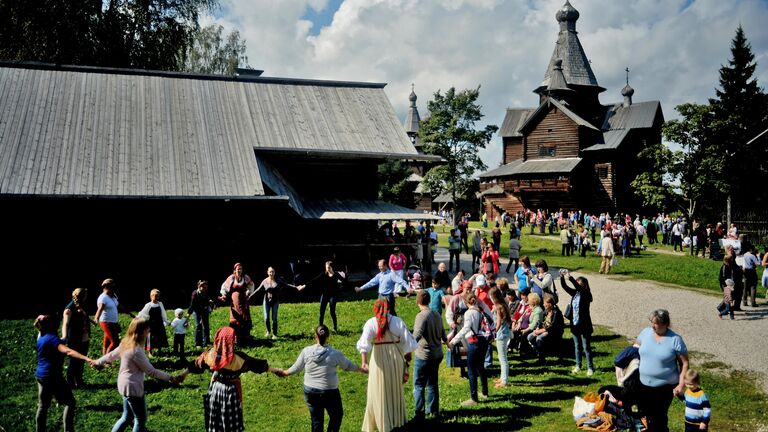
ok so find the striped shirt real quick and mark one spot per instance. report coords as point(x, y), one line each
point(697, 408)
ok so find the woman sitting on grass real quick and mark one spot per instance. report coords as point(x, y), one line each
point(130, 381)
point(50, 381)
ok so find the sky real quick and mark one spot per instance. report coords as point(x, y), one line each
point(673, 48)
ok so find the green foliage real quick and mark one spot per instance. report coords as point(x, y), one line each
point(539, 397)
point(450, 132)
point(394, 186)
point(653, 186)
point(144, 34)
point(741, 108)
point(211, 52)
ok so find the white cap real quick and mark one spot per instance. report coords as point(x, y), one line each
point(730, 282)
point(480, 280)
point(178, 311)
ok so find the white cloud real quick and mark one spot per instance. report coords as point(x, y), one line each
point(673, 53)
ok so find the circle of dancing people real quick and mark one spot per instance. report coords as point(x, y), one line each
point(482, 312)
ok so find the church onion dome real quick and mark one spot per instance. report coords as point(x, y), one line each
point(627, 91)
point(412, 97)
point(567, 13)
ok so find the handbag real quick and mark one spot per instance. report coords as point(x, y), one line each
point(456, 357)
point(568, 312)
point(614, 262)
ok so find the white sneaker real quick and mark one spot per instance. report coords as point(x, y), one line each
point(590, 372)
point(575, 370)
point(274, 337)
point(267, 334)
point(469, 402)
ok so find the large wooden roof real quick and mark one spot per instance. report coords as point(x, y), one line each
point(79, 131)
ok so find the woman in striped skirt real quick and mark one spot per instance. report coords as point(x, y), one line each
point(224, 401)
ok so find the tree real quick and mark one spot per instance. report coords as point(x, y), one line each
point(741, 113)
point(145, 34)
point(213, 53)
point(394, 186)
point(688, 178)
point(450, 133)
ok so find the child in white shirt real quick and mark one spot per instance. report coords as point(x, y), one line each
point(179, 325)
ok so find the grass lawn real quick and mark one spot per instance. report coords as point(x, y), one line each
point(678, 269)
point(540, 397)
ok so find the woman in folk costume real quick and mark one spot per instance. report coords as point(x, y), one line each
point(224, 401)
point(238, 287)
point(385, 348)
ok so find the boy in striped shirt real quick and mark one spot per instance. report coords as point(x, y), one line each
point(697, 408)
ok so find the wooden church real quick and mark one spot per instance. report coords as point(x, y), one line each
point(571, 152)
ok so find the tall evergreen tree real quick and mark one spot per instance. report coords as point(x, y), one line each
point(740, 113)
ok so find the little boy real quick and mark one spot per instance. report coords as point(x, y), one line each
point(697, 408)
point(179, 325)
point(725, 307)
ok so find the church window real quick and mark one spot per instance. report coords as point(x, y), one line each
point(547, 150)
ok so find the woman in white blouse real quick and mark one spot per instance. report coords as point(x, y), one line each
point(385, 348)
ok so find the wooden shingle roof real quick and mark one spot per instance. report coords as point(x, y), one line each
point(79, 131)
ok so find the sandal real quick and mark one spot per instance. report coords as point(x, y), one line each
point(500, 385)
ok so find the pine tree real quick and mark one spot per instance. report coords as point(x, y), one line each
point(741, 112)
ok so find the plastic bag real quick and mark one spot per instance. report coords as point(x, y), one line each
point(614, 262)
point(582, 408)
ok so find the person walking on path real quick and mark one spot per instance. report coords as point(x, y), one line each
point(321, 381)
point(607, 252)
point(454, 249)
point(386, 281)
point(477, 250)
point(429, 334)
point(750, 275)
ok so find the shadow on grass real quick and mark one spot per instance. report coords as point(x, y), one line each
point(507, 418)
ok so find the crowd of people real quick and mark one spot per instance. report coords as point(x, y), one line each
point(482, 310)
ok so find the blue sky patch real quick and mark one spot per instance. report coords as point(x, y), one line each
point(323, 18)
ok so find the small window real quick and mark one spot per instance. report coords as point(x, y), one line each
point(602, 172)
point(547, 150)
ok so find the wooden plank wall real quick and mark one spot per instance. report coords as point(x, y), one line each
point(554, 129)
point(513, 149)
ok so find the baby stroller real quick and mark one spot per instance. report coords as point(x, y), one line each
point(415, 279)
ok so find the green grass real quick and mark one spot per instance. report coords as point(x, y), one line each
point(680, 269)
point(540, 398)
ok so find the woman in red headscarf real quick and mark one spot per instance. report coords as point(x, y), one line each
point(390, 344)
point(224, 401)
point(238, 287)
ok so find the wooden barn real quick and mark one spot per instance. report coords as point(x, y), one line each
point(571, 152)
point(159, 179)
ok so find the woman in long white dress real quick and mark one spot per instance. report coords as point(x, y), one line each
point(385, 348)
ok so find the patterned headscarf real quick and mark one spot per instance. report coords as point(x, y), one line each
point(223, 348)
point(380, 311)
point(234, 267)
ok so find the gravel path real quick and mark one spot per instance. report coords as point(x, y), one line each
point(624, 305)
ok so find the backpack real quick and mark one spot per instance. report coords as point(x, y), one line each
point(487, 327)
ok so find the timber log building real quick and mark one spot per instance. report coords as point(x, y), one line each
point(571, 151)
point(158, 179)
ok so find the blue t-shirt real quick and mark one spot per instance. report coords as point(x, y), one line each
point(658, 359)
point(436, 299)
point(49, 359)
point(522, 277)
